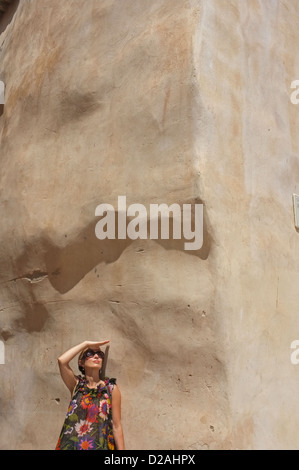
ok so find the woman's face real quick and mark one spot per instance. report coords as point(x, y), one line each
point(93, 358)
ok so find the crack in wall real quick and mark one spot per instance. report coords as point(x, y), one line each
point(35, 276)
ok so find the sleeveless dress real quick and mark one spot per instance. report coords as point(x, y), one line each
point(88, 422)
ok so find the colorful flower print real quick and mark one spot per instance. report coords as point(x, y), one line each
point(92, 414)
point(104, 409)
point(86, 444)
point(72, 406)
point(110, 441)
point(83, 427)
point(86, 401)
point(88, 423)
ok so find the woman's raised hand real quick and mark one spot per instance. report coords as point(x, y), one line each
point(97, 344)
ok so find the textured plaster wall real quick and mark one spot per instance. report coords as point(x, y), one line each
point(161, 101)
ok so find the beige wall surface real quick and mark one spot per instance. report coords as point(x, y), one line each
point(171, 101)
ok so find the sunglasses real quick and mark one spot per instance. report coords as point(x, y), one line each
point(90, 353)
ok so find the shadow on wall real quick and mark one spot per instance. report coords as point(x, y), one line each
point(67, 265)
point(7, 11)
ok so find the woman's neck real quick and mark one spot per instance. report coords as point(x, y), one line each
point(93, 379)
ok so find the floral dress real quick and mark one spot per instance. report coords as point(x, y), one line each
point(88, 423)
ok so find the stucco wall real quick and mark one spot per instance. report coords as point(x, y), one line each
point(163, 102)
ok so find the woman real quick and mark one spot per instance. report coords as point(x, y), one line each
point(93, 420)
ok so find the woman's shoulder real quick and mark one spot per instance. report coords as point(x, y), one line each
point(80, 382)
point(110, 382)
point(80, 379)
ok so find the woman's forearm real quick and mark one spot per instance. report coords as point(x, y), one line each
point(66, 357)
point(118, 437)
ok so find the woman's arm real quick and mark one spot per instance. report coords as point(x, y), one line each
point(66, 372)
point(116, 419)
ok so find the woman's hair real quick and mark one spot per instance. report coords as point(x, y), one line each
point(81, 368)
